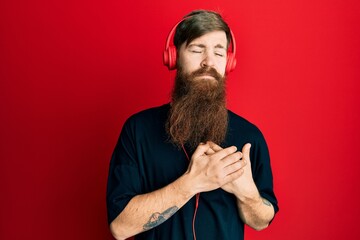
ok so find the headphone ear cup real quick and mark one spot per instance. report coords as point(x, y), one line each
point(173, 57)
point(166, 57)
point(169, 57)
point(231, 62)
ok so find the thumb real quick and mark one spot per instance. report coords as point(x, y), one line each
point(246, 151)
point(215, 147)
point(201, 150)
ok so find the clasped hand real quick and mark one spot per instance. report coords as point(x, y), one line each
point(213, 167)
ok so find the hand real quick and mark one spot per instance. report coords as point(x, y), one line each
point(211, 171)
point(244, 187)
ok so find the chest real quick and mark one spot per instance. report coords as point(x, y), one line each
point(160, 164)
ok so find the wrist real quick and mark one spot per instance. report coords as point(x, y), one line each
point(185, 186)
point(251, 197)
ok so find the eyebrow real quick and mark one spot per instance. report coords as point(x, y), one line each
point(203, 46)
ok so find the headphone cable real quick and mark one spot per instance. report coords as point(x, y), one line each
point(196, 201)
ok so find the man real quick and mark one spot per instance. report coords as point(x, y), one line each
point(177, 171)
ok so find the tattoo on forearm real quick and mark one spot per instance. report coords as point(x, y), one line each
point(157, 218)
point(266, 202)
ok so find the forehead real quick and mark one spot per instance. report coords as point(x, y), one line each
point(211, 39)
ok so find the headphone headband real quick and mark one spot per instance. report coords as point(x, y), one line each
point(170, 53)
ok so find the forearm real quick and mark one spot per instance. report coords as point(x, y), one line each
point(149, 210)
point(257, 212)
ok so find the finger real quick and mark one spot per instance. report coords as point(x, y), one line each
point(214, 146)
point(236, 166)
point(201, 150)
point(246, 151)
point(233, 158)
point(233, 176)
point(210, 151)
point(224, 152)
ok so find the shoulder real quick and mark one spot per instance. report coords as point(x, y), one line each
point(243, 130)
point(147, 122)
point(239, 122)
point(149, 115)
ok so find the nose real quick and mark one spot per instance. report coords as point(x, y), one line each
point(208, 60)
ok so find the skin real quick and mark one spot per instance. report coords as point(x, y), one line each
point(211, 167)
point(205, 173)
point(254, 210)
point(208, 50)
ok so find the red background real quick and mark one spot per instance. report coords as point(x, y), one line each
point(71, 72)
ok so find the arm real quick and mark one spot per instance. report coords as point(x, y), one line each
point(205, 173)
point(149, 210)
point(254, 210)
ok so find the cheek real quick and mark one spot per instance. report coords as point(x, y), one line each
point(189, 65)
point(221, 67)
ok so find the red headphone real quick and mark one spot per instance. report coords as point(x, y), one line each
point(169, 56)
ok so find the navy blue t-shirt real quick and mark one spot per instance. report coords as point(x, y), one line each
point(144, 160)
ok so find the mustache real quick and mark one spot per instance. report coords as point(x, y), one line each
point(209, 71)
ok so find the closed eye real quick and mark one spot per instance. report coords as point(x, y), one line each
point(196, 48)
point(220, 50)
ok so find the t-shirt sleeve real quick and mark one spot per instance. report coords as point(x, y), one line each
point(124, 178)
point(262, 172)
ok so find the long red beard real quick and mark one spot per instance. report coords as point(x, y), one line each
point(198, 109)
